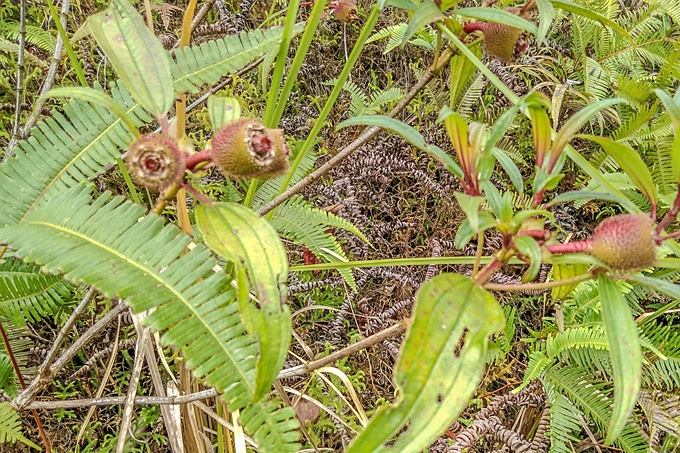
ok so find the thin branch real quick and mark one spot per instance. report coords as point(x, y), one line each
point(299, 370)
point(47, 85)
point(22, 384)
point(61, 336)
point(44, 379)
point(132, 391)
point(20, 69)
point(538, 286)
point(365, 137)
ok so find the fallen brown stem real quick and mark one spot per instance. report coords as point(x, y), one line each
point(538, 286)
point(136, 373)
point(44, 378)
point(367, 134)
point(299, 370)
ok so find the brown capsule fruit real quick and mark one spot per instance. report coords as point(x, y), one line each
point(247, 149)
point(155, 161)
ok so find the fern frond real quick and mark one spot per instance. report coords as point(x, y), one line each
point(594, 400)
point(565, 421)
point(63, 151)
point(34, 35)
point(10, 427)
point(26, 295)
point(304, 224)
point(382, 98)
point(138, 258)
point(208, 62)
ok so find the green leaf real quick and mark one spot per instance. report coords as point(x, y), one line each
point(222, 111)
point(436, 374)
point(510, 168)
point(576, 122)
point(673, 109)
point(426, 13)
point(589, 13)
point(546, 15)
point(630, 162)
point(98, 97)
point(137, 56)
point(499, 16)
point(562, 272)
point(408, 133)
point(528, 247)
point(624, 352)
point(27, 295)
point(206, 63)
point(240, 235)
point(470, 206)
point(10, 427)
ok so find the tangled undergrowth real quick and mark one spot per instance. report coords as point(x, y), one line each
point(550, 382)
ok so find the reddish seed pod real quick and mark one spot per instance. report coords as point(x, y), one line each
point(155, 161)
point(500, 41)
point(247, 149)
point(625, 242)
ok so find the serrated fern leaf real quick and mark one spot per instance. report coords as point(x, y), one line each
point(10, 427)
point(208, 62)
point(142, 262)
point(27, 295)
point(564, 421)
point(274, 427)
point(140, 259)
point(63, 151)
point(298, 221)
point(34, 35)
point(594, 400)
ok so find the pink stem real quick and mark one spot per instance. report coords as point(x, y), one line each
point(197, 158)
point(474, 26)
point(571, 247)
point(670, 215)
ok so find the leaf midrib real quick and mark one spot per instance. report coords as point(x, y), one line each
point(153, 275)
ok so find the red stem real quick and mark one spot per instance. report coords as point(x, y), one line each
point(196, 158)
point(471, 27)
point(22, 384)
point(487, 272)
point(536, 234)
point(571, 247)
point(670, 215)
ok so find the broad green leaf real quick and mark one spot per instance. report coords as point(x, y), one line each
point(546, 15)
point(137, 56)
point(563, 272)
point(510, 168)
point(541, 131)
point(576, 122)
point(222, 111)
point(499, 16)
point(239, 235)
point(500, 126)
point(630, 162)
point(408, 133)
point(470, 207)
point(624, 353)
point(589, 13)
point(461, 70)
point(426, 13)
point(435, 375)
point(98, 97)
point(595, 174)
point(577, 195)
point(528, 247)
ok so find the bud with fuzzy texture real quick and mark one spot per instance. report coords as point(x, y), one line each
point(500, 40)
point(344, 10)
point(155, 161)
point(622, 242)
point(247, 149)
